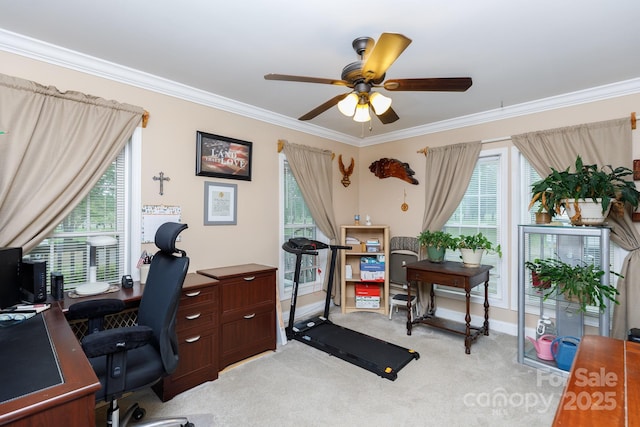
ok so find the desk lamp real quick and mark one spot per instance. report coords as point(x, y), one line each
point(93, 286)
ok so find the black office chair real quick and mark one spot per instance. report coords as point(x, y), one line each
point(130, 358)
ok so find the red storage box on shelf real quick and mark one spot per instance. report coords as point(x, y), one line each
point(367, 295)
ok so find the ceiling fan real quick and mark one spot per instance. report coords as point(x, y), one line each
point(368, 73)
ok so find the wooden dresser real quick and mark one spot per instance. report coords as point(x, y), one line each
point(247, 310)
point(197, 330)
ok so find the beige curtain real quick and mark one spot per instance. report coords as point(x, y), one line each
point(603, 143)
point(312, 169)
point(53, 149)
point(448, 172)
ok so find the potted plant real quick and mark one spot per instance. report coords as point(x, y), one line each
point(605, 188)
point(581, 282)
point(472, 247)
point(436, 244)
point(546, 202)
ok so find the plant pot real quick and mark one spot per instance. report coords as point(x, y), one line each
point(435, 253)
point(543, 218)
point(471, 257)
point(538, 284)
point(588, 212)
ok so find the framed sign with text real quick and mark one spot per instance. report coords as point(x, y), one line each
point(221, 157)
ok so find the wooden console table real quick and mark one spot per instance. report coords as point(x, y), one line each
point(604, 385)
point(453, 274)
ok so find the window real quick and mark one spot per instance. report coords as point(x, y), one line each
point(482, 210)
point(590, 247)
point(296, 221)
point(78, 242)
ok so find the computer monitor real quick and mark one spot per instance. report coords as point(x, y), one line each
point(10, 259)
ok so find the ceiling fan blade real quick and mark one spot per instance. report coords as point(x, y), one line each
point(388, 116)
point(447, 84)
point(324, 107)
point(384, 53)
point(304, 79)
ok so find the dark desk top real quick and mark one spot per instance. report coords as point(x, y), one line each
point(129, 296)
point(449, 267)
point(79, 378)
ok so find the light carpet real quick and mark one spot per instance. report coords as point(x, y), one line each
point(298, 385)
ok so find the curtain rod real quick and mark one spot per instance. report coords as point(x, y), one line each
point(484, 141)
point(281, 146)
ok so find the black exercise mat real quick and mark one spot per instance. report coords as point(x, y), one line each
point(28, 363)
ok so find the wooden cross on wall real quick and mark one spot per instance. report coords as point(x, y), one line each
point(161, 178)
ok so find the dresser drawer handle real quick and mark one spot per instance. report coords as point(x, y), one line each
point(192, 339)
point(193, 294)
point(193, 316)
point(250, 278)
point(250, 316)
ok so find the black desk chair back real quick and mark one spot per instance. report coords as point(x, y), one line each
point(130, 358)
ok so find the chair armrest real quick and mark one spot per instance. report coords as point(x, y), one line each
point(95, 308)
point(116, 340)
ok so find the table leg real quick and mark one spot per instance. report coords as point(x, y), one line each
point(486, 308)
point(409, 322)
point(467, 319)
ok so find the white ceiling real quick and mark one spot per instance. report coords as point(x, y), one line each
point(516, 52)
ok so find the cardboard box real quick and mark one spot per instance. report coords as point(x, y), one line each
point(367, 290)
point(372, 268)
point(367, 302)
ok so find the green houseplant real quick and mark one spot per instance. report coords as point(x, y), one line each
point(473, 246)
point(605, 186)
point(436, 244)
point(581, 282)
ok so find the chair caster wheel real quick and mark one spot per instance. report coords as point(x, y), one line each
point(139, 413)
point(189, 425)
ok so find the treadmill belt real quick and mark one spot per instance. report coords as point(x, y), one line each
point(373, 354)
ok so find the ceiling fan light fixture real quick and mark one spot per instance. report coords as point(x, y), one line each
point(379, 102)
point(348, 105)
point(362, 113)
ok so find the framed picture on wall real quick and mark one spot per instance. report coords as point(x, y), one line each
point(220, 203)
point(221, 157)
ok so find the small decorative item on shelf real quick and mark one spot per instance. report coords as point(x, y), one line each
point(356, 219)
point(436, 244)
point(473, 247)
point(580, 283)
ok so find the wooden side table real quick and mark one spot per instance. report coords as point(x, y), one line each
point(453, 274)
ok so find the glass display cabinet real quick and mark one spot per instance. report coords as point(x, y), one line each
point(574, 246)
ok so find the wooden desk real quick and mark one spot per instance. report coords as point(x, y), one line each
point(131, 297)
point(71, 403)
point(456, 275)
point(604, 385)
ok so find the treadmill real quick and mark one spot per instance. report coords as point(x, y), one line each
point(370, 353)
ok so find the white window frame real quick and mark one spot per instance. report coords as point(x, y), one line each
point(500, 298)
point(286, 286)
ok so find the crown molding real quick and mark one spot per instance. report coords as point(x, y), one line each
point(46, 52)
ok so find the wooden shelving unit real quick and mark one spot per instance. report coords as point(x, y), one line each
point(352, 258)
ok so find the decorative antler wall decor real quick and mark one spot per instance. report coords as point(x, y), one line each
point(385, 168)
point(346, 172)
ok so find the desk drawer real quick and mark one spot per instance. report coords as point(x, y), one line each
point(248, 336)
point(194, 319)
point(244, 295)
point(438, 278)
point(201, 295)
